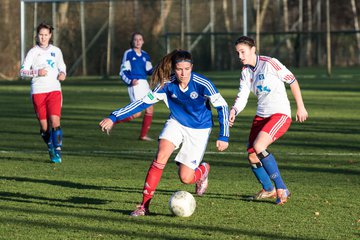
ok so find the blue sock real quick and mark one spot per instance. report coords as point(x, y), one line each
point(47, 137)
point(57, 139)
point(262, 176)
point(272, 169)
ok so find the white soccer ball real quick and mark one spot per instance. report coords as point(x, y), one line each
point(182, 204)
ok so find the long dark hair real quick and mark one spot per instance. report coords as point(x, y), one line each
point(166, 66)
point(41, 26)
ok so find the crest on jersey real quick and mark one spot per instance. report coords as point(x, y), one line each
point(194, 95)
point(52, 54)
point(261, 76)
point(144, 59)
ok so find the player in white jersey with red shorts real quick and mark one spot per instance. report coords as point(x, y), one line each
point(265, 77)
point(44, 63)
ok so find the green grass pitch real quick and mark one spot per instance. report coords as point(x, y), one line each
point(90, 194)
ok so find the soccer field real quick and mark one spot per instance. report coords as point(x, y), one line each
point(90, 194)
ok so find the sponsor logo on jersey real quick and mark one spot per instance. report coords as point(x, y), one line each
point(52, 54)
point(194, 95)
point(260, 89)
point(51, 63)
point(150, 95)
point(173, 95)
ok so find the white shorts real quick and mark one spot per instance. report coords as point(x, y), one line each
point(194, 142)
point(139, 91)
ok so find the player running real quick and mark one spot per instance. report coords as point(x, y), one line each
point(135, 68)
point(44, 63)
point(188, 96)
point(265, 77)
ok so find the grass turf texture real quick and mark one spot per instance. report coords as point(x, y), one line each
point(90, 194)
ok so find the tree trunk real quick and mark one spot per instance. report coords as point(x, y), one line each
point(356, 23)
point(308, 41)
point(160, 23)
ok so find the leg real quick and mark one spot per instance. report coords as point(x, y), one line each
point(153, 177)
point(146, 123)
point(270, 165)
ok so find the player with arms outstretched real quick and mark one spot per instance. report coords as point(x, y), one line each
point(265, 77)
point(188, 96)
point(135, 68)
point(44, 63)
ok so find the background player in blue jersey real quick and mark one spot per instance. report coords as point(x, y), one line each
point(135, 68)
point(188, 96)
point(265, 77)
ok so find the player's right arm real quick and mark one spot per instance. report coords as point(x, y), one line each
point(151, 98)
point(241, 98)
point(27, 70)
point(125, 69)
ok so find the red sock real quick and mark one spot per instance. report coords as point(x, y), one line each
point(198, 173)
point(128, 119)
point(151, 182)
point(146, 124)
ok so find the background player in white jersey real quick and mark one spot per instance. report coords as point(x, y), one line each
point(44, 63)
point(135, 68)
point(265, 77)
point(188, 96)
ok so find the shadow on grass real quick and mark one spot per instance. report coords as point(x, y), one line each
point(136, 223)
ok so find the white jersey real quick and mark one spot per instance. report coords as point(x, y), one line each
point(266, 80)
point(38, 58)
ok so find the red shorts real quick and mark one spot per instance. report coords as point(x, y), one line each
point(275, 125)
point(47, 104)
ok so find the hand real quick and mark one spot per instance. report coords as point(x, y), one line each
point(106, 125)
point(42, 72)
point(221, 145)
point(301, 115)
point(61, 76)
point(134, 82)
point(232, 117)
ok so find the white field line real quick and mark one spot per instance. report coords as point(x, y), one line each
point(153, 152)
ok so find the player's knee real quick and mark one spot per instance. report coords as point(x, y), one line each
point(136, 115)
point(252, 158)
point(258, 147)
point(186, 179)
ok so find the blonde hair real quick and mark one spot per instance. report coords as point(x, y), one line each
point(165, 67)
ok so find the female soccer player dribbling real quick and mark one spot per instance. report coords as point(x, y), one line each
point(187, 95)
point(265, 77)
point(135, 67)
point(44, 63)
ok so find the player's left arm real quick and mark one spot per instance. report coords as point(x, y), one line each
point(148, 66)
point(301, 113)
point(223, 117)
point(61, 66)
point(286, 76)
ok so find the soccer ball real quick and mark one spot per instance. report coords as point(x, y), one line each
point(182, 204)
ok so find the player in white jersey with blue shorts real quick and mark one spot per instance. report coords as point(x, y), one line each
point(135, 68)
point(188, 96)
point(265, 77)
point(44, 63)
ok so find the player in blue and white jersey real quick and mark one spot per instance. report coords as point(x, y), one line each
point(266, 78)
point(188, 96)
point(44, 64)
point(135, 68)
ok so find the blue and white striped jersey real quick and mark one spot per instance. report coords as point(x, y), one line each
point(135, 66)
point(190, 106)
